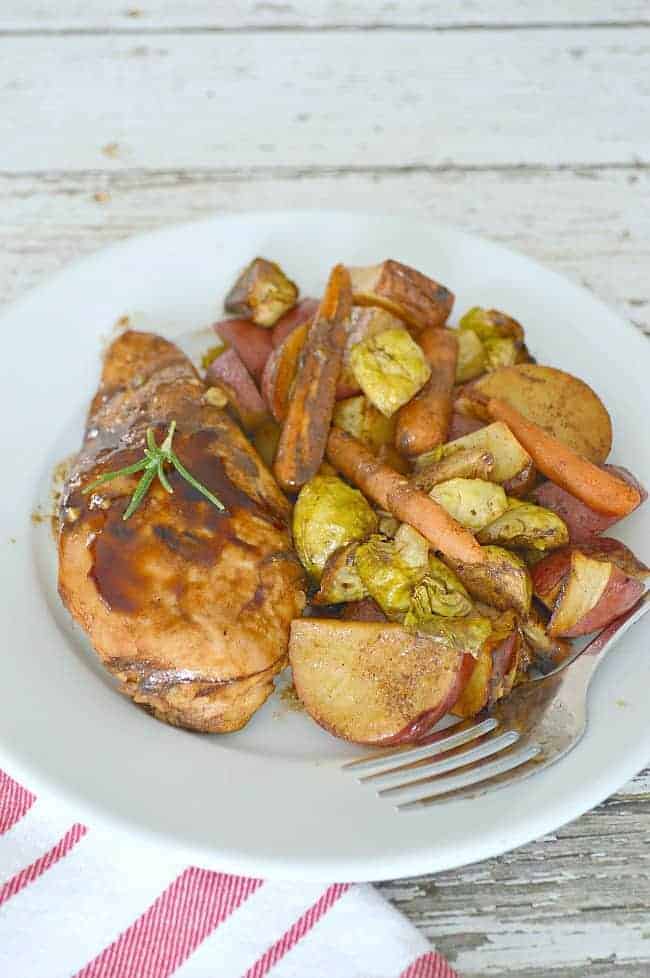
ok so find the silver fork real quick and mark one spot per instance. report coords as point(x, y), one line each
point(540, 722)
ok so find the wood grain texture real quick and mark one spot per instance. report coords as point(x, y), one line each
point(335, 98)
point(35, 15)
point(592, 224)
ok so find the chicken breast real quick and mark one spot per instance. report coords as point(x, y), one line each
point(187, 606)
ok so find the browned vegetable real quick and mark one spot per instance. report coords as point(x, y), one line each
point(423, 423)
point(390, 368)
point(304, 433)
point(373, 682)
point(365, 321)
point(280, 369)
point(502, 580)
point(405, 292)
point(393, 492)
point(262, 293)
point(547, 652)
point(510, 459)
point(228, 372)
point(340, 580)
point(495, 669)
point(468, 463)
point(362, 420)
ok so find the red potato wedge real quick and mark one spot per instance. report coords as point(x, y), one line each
point(309, 414)
point(229, 373)
point(304, 312)
point(366, 609)
point(553, 400)
point(403, 291)
point(550, 573)
point(597, 488)
point(280, 371)
point(252, 343)
point(495, 669)
point(463, 424)
point(395, 494)
point(373, 682)
point(424, 422)
point(582, 522)
point(593, 594)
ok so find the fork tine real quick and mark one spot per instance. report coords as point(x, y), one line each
point(453, 736)
point(487, 747)
point(470, 782)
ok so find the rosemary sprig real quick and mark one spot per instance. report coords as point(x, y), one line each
point(152, 465)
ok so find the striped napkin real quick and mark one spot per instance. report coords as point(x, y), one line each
point(76, 903)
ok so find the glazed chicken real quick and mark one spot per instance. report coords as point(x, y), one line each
point(187, 606)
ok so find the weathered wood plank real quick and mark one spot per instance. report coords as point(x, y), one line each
point(219, 14)
point(376, 99)
point(593, 225)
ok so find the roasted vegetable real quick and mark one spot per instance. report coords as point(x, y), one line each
point(280, 371)
point(562, 405)
point(364, 610)
point(489, 324)
point(469, 463)
point(424, 421)
point(592, 595)
point(365, 321)
point(526, 525)
point(261, 293)
point(472, 361)
point(474, 503)
point(389, 573)
point(501, 580)
point(328, 514)
point(547, 652)
point(373, 682)
point(340, 580)
point(390, 368)
point(414, 298)
point(362, 420)
point(252, 343)
point(309, 412)
point(395, 494)
point(301, 313)
point(228, 372)
point(495, 669)
point(500, 352)
point(440, 592)
point(591, 484)
point(265, 438)
point(510, 459)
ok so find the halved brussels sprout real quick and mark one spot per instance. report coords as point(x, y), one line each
point(510, 459)
point(469, 463)
point(388, 525)
point(546, 653)
point(501, 351)
point(390, 368)
point(328, 514)
point(387, 574)
point(490, 324)
point(464, 634)
point(340, 580)
point(472, 361)
point(440, 592)
point(526, 525)
point(362, 420)
point(474, 503)
point(501, 580)
point(411, 546)
point(262, 293)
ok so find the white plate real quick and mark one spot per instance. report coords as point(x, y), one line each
point(271, 800)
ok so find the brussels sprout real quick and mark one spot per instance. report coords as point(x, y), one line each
point(472, 502)
point(526, 525)
point(465, 634)
point(469, 463)
point(500, 352)
point(490, 324)
point(340, 580)
point(387, 574)
point(440, 592)
point(262, 293)
point(501, 580)
point(547, 653)
point(411, 546)
point(388, 525)
point(472, 361)
point(390, 368)
point(327, 515)
point(510, 459)
point(362, 420)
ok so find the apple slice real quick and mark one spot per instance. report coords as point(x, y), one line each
point(549, 574)
point(592, 595)
point(280, 371)
point(582, 522)
point(373, 682)
point(252, 342)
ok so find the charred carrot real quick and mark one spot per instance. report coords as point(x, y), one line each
point(597, 488)
point(423, 423)
point(396, 494)
point(304, 432)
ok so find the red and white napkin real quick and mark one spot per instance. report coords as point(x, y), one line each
point(77, 903)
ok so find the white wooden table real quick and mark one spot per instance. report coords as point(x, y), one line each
point(525, 120)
